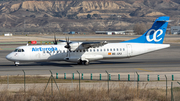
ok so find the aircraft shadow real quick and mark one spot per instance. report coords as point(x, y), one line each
point(113, 62)
point(40, 64)
point(68, 64)
point(49, 64)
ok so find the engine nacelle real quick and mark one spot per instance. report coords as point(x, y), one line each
point(72, 59)
point(75, 46)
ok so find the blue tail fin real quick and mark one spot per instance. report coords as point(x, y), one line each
point(155, 34)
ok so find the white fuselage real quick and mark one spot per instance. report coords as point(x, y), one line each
point(59, 53)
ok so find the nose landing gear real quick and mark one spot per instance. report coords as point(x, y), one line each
point(16, 63)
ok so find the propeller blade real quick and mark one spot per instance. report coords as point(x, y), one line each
point(66, 41)
point(68, 44)
point(55, 41)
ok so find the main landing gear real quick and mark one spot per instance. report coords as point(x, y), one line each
point(83, 62)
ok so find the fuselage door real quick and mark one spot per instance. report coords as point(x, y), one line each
point(129, 50)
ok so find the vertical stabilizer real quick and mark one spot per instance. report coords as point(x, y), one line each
point(155, 34)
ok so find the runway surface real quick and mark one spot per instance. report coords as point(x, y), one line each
point(166, 60)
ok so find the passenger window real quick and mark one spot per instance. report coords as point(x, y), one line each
point(114, 49)
point(117, 49)
point(97, 50)
point(107, 49)
point(77, 51)
point(101, 50)
point(110, 49)
point(22, 50)
point(94, 50)
point(104, 49)
point(120, 49)
point(123, 49)
point(63, 51)
point(80, 51)
point(83, 50)
point(87, 50)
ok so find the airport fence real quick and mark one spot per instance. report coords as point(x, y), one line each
point(106, 80)
point(120, 76)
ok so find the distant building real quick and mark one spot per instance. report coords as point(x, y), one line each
point(115, 32)
point(175, 30)
point(129, 32)
point(110, 32)
point(8, 34)
point(100, 32)
point(71, 32)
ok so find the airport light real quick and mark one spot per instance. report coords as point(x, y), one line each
point(56, 75)
point(119, 77)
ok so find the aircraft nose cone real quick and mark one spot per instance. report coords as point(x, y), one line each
point(8, 57)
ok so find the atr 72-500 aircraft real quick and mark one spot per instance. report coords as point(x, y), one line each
point(85, 52)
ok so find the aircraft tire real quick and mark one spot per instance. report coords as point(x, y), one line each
point(80, 62)
point(86, 63)
point(83, 62)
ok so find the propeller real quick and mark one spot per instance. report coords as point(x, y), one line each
point(68, 47)
point(68, 44)
point(55, 40)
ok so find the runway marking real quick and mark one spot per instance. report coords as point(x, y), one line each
point(143, 69)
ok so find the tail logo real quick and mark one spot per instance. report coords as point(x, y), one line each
point(155, 35)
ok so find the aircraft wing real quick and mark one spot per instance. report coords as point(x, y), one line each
point(73, 46)
point(87, 45)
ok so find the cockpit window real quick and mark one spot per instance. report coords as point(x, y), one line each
point(19, 50)
point(16, 50)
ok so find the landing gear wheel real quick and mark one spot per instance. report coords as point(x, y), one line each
point(85, 63)
point(80, 62)
point(16, 63)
